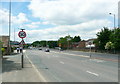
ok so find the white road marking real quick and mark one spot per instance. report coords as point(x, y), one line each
point(62, 62)
point(41, 77)
point(96, 60)
point(92, 73)
point(24, 50)
point(72, 54)
point(47, 53)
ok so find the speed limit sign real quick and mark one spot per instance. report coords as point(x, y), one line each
point(22, 34)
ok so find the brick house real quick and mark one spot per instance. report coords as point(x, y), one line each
point(90, 42)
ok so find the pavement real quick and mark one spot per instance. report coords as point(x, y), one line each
point(12, 71)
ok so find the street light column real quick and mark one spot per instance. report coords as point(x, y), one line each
point(114, 20)
point(9, 45)
point(114, 25)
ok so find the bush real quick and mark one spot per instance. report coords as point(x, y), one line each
point(3, 51)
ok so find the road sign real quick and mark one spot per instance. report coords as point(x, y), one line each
point(90, 43)
point(22, 42)
point(22, 34)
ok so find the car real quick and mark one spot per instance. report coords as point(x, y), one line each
point(60, 49)
point(47, 50)
point(40, 49)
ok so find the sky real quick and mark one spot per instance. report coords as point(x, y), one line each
point(52, 19)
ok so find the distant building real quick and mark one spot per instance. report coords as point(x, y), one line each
point(90, 42)
point(79, 45)
point(75, 44)
point(82, 44)
point(14, 44)
point(4, 40)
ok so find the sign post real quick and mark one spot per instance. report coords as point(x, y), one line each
point(90, 48)
point(22, 34)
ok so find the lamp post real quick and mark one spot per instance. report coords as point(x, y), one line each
point(114, 24)
point(114, 18)
point(9, 45)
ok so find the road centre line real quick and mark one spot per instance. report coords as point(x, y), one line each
point(72, 54)
point(41, 77)
point(92, 73)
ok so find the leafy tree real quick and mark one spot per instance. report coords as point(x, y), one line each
point(109, 45)
point(65, 41)
point(76, 39)
point(36, 43)
point(43, 43)
point(103, 37)
point(115, 38)
point(52, 44)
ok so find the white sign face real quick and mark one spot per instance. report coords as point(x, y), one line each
point(22, 34)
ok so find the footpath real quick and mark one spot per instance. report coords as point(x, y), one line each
point(13, 72)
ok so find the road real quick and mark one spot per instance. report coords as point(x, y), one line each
point(74, 66)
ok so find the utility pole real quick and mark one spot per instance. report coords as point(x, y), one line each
point(114, 19)
point(114, 25)
point(9, 45)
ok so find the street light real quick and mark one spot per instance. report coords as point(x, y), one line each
point(114, 18)
point(114, 24)
point(9, 45)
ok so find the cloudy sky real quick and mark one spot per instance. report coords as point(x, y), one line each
point(52, 19)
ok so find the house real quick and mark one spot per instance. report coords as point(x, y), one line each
point(4, 40)
point(14, 44)
point(82, 44)
point(90, 43)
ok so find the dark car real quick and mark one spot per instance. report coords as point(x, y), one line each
point(40, 49)
point(47, 50)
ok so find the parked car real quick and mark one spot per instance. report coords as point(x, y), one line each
point(47, 50)
point(40, 49)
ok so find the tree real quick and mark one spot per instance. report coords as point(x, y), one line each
point(52, 44)
point(36, 43)
point(43, 43)
point(103, 37)
point(109, 46)
point(115, 38)
point(65, 41)
point(76, 39)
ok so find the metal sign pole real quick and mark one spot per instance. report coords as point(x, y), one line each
point(22, 61)
point(90, 51)
point(22, 35)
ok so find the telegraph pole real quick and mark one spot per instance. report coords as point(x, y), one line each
point(9, 45)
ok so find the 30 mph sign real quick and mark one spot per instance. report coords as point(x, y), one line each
point(22, 34)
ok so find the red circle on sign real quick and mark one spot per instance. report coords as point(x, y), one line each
point(22, 34)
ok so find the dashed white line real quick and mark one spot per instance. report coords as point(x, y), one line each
point(62, 62)
point(92, 73)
